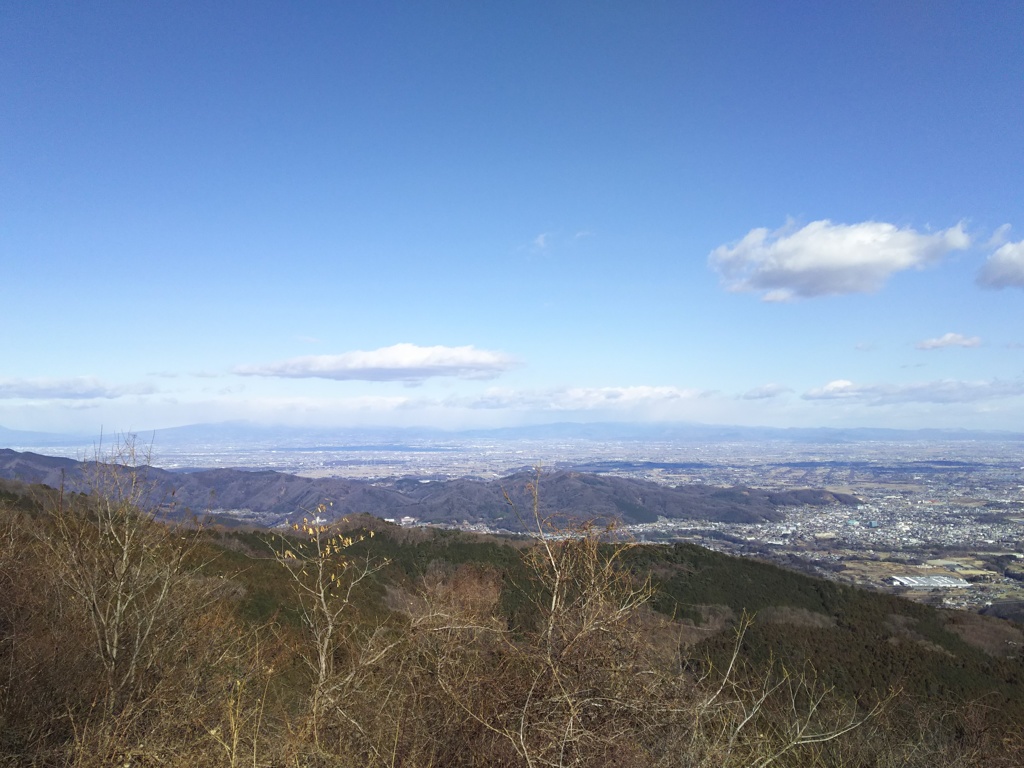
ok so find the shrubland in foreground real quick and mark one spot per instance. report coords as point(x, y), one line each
point(131, 642)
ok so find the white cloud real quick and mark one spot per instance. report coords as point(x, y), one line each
point(496, 407)
point(1000, 236)
point(78, 388)
point(540, 242)
point(325, 405)
point(950, 340)
point(496, 398)
point(579, 398)
point(400, 362)
point(834, 390)
point(824, 259)
point(766, 392)
point(944, 391)
point(1004, 268)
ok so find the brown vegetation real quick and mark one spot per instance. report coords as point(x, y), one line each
point(126, 642)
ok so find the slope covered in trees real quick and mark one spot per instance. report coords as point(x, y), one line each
point(128, 641)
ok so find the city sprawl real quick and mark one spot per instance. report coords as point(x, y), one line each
point(950, 509)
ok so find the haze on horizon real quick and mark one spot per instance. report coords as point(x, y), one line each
point(467, 215)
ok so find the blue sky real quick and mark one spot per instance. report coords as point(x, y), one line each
point(464, 214)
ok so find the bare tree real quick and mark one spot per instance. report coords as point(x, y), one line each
point(738, 715)
point(326, 577)
point(124, 569)
point(577, 688)
point(586, 686)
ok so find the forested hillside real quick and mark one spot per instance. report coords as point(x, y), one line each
point(131, 642)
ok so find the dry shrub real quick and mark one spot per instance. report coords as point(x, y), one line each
point(997, 637)
point(592, 678)
point(798, 617)
point(116, 652)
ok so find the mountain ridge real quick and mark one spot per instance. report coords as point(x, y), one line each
point(278, 497)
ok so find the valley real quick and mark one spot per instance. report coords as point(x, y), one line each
point(913, 508)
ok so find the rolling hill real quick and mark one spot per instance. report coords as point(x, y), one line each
point(275, 497)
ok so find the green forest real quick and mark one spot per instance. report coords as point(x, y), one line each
point(131, 641)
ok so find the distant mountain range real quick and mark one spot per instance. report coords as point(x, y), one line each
point(16, 437)
point(242, 433)
point(271, 498)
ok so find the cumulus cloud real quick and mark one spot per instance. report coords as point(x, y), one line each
point(1004, 268)
point(766, 392)
point(944, 391)
point(834, 390)
point(823, 258)
point(78, 388)
point(950, 340)
point(400, 362)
